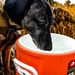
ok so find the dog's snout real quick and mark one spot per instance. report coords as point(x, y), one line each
point(49, 47)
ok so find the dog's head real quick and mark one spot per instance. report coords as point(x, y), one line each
point(37, 21)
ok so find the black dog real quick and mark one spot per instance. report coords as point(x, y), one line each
point(36, 16)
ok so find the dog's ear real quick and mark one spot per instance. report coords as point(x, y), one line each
point(49, 11)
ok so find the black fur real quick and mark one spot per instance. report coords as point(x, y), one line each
point(37, 21)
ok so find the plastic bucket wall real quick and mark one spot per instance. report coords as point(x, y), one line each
point(46, 62)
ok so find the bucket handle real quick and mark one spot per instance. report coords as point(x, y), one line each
point(18, 64)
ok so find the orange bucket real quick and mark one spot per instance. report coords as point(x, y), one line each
point(59, 61)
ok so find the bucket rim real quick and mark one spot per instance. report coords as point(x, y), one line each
point(43, 51)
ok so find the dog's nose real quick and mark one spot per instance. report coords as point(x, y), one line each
point(48, 48)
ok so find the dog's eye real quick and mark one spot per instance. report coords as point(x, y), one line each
point(41, 22)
